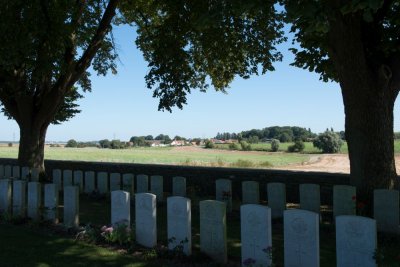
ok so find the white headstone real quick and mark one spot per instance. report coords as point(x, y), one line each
point(35, 175)
point(50, 203)
point(67, 178)
point(223, 192)
point(34, 200)
point(310, 198)
point(301, 238)
point(179, 186)
point(256, 235)
point(355, 241)
point(142, 183)
point(25, 171)
point(5, 195)
point(120, 208)
point(344, 200)
point(7, 172)
point(146, 219)
point(213, 229)
point(2, 172)
point(276, 199)
point(115, 181)
point(250, 192)
point(89, 182)
point(386, 210)
point(157, 187)
point(57, 179)
point(128, 183)
point(16, 172)
point(102, 182)
point(19, 198)
point(71, 206)
point(78, 180)
point(179, 220)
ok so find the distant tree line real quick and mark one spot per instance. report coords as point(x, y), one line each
point(283, 134)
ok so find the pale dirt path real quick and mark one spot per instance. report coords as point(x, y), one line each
point(329, 163)
point(338, 163)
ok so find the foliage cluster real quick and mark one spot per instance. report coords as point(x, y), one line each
point(275, 145)
point(298, 146)
point(328, 142)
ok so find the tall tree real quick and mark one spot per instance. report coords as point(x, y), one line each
point(357, 44)
point(46, 48)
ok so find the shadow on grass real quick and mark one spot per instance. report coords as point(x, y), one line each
point(21, 246)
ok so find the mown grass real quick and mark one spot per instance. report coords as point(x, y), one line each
point(167, 155)
point(21, 246)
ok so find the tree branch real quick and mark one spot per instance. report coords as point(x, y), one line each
point(104, 26)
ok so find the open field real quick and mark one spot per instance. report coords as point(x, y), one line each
point(193, 156)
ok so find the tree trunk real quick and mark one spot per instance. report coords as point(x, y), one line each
point(369, 135)
point(31, 146)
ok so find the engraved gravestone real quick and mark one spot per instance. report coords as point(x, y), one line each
point(146, 219)
point(179, 223)
point(71, 206)
point(78, 180)
point(355, 241)
point(5, 195)
point(25, 173)
point(120, 207)
point(57, 179)
point(7, 172)
point(276, 193)
point(34, 200)
point(16, 172)
point(128, 183)
point(115, 181)
point(386, 210)
point(67, 178)
point(223, 192)
point(2, 172)
point(250, 192)
point(50, 211)
point(213, 229)
point(179, 186)
point(344, 200)
point(301, 238)
point(256, 237)
point(35, 175)
point(310, 198)
point(102, 182)
point(142, 185)
point(89, 182)
point(157, 187)
point(19, 198)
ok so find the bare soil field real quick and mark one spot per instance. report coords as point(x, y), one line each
point(328, 163)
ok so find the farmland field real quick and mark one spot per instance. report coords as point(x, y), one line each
point(193, 156)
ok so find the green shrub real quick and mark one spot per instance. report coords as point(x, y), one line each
point(209, 144)
point(234, 146)
point(275, 145)
point(71, 143)
point(10, 144)
point(245, 146)
point(328, 142)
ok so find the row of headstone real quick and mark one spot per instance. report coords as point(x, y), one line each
point(355, 235)
point(113, 182)
point(22, 199)
point(16, 172)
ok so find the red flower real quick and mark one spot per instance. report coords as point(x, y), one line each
point(353, 198)
point(360, 205)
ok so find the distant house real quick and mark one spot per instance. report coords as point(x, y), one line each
point(155, 143)
point(217, 141)
point(231, 141)
point(178, 143)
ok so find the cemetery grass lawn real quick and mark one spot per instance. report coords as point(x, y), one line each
point(21, 246)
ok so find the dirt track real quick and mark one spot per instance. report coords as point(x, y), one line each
point(329, 163)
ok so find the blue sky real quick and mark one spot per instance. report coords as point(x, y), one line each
point(120, 106)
